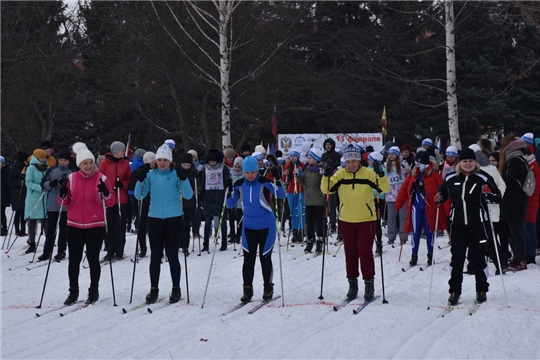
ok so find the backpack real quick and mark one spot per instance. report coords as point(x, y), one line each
point(529, 185)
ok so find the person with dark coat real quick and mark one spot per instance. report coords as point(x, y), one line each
point(18, 192)
point(333, 203)
point(469, 189)
point(189, 205)
point(514, 168)
point(5, 194)
point(133, 203)
point(215, 178)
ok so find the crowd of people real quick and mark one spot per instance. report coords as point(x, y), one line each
point(486, 197)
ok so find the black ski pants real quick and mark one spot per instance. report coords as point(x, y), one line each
point(77, 239)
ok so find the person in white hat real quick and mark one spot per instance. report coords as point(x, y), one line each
point(168, 185)
point(398, 169)
point(450, 162)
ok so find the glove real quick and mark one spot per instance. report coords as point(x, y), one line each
point(378, 169)
point(143, 173)
point(102, 188)
point(274, 172)
point(53, 183)
point(181, 174)
point(119, 184)
point(329, 168)
point(438, 198)
point(486, 189)
point(63, 191)
point(229, 185)
point(418, 185)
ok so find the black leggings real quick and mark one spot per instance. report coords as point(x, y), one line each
point(256, 238)
point(20, 223)
point(77, 239)
point(164, 234)
point(514, 232)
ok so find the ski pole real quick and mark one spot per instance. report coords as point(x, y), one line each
point(196, 215)
point(50, 257)
point(434, 235)
point(402, 234)
point(339, 247)
point(495, 243)
point(37, 244)
point(10, 228)
point(136, 246)
point(119, 207)
point(13, 213)
point(215, 247)
point(379, 238)
point(110, 257)
point(278, 229)
point(321, 297)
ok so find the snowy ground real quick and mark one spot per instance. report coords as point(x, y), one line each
point(304, 328)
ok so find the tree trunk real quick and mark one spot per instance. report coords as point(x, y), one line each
point(224, 70)
point(453, 120)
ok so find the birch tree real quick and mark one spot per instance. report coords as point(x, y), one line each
point(453, 120)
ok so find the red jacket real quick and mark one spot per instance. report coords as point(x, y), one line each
point(432, 180)
point(114, 169)
point(85, 204)
point(534, 199)
point(289, 179)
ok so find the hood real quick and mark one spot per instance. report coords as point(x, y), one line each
point(331, 142)
point(481, 158)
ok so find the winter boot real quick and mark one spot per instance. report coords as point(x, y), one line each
point(205, 246)
point(93, 295)
point(248, 294)
point(152, 296)
point(453, 298)
point(175, 295)
point(31, 249)
point(319, 249)
point(353, 289)
point(44, 256)
point(142, 253)
point(268, 292)
point(414, 260)
point(72, 297)
point(481, 296)
point(223, 245)
point(60, 256)
point(369, 292)
point(429, 259)
point(309, 246)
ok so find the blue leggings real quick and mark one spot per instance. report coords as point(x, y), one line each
point(297, 207)
point(419, 217)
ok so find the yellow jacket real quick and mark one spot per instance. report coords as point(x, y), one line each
point(355, 190)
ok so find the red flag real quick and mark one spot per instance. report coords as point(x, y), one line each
point(274, 122)
point(129, 154)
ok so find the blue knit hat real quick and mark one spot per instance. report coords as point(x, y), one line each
point(427, 142)
point(250, 164)
point(451, 151)
point(394, 150)
point(375, 156)
point(529, 138)
point(294, 152)
point(352, 152)
point(316, 154)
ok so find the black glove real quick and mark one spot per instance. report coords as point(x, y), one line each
point(229, 185)
point(119, 184)
point(143, 173)
point(329, 168)
point(418, 186)
point(377, 168)
point(53, 183)
point(181, 174)
point(102, 188)
point(274, 172)
point(438, 198)
point(63, 190)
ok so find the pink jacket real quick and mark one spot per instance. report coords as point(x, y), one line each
point(85, 203)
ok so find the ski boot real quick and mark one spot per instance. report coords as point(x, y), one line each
point(72, 297)
point(453, 298)
point(248, 294)
point(353, 289)
point(369, 292)
point(152, 296)
point(31, 249)
point(93, 295)
point(175, 295)
point(481, 296)
point(223, 245)
point(309, 246)
point(60, 256)
point(296, 237)
point(429, 259)
point(319, 248)
point(205, 247)
point(268, 292)
point(414, 260)
point(44, 256)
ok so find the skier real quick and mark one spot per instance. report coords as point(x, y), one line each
point(331, 154)
point(398, 169)
point(167, 185)
point(469, 190)
point(35, 203)
point(189, 206)
point(358, 216)
point(87, 192)
point(295, 194)
point(258, 226)
point(236, 213)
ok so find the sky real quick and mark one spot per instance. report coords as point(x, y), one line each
point(296, 326)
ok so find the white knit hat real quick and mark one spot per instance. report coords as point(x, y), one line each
point(171, 143)
point(84, 154)
point(149, 157)
point(529, 138)
point(261, 149)
point(164, 152)
point(78, 146)
point(194, 153)
point(451, 151)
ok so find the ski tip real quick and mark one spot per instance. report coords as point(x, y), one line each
point(38, 315)
point(403, 269)
point(124, 310)
point(335, 308)
point(61, 314)
point(149, 310)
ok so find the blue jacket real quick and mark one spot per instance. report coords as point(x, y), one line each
point(135, 164)
point(256, 198)
point(166, 189)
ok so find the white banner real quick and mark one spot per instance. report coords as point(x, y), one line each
point(286, 142)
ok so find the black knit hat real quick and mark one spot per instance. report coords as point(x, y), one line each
point(22, 156)
point(187, 158)
point(214, 155)
point(64, 154)
point(46, 145)
point(467, 154)
point(245, 147)
point(422, 157)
